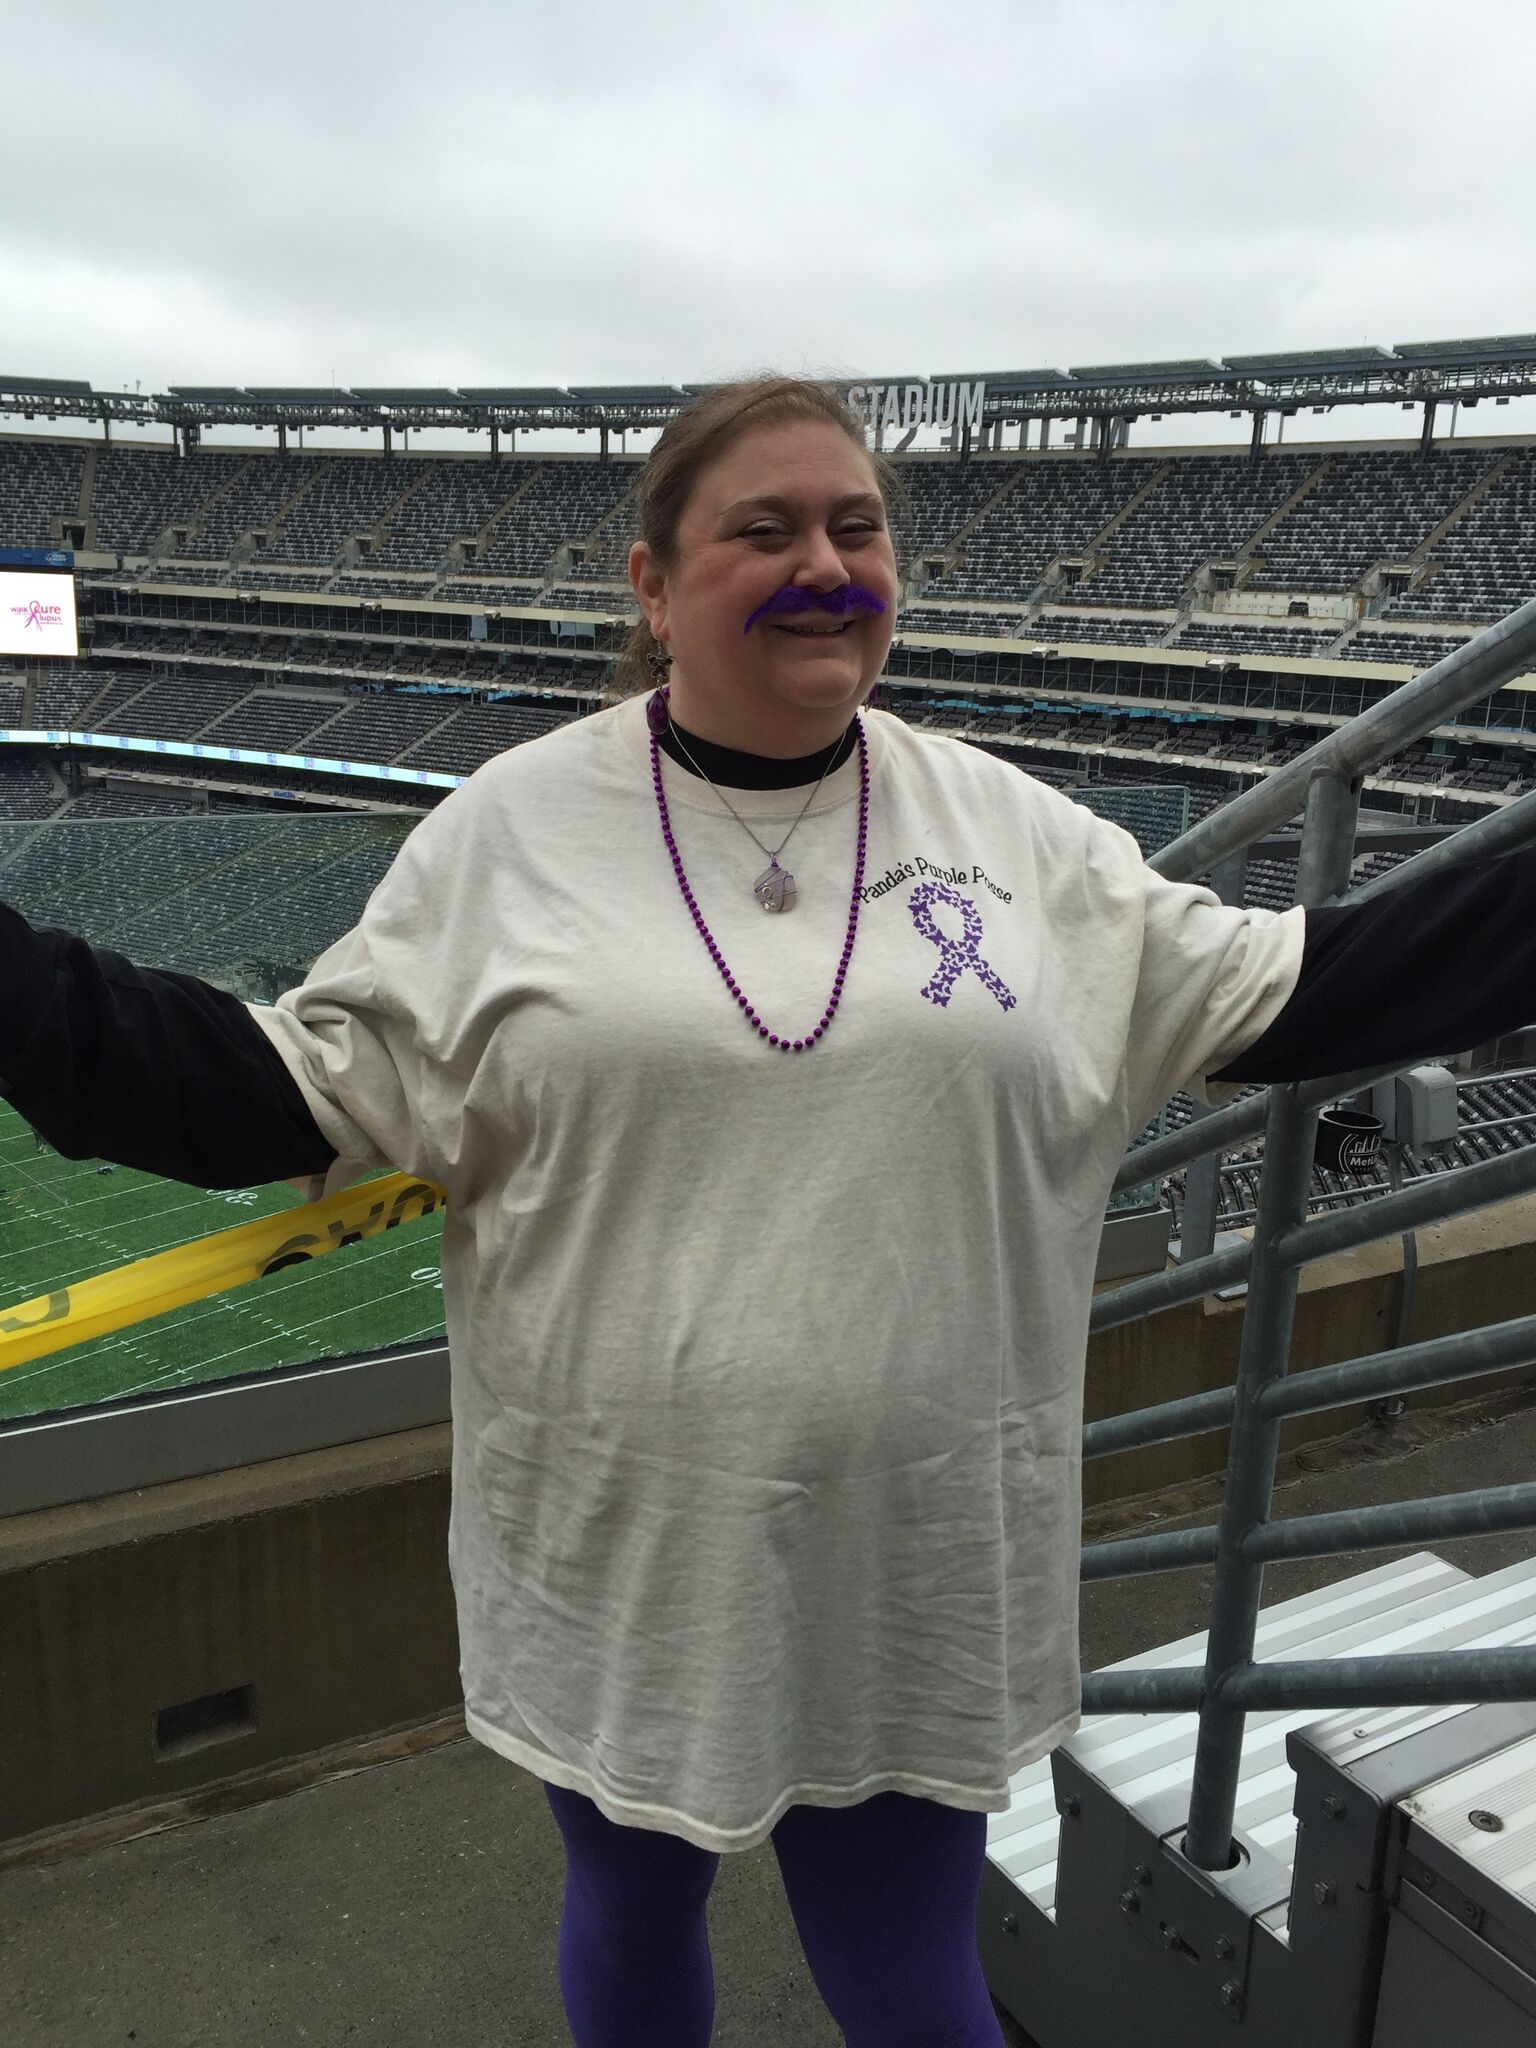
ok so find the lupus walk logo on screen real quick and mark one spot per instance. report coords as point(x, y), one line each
point(40, 615)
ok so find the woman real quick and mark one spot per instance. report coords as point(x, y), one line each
point(778, 1061)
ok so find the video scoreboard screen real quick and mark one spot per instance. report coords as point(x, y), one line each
point(37, 602)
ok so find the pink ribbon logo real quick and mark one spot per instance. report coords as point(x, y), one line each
point(36, 614)
point(955, 955)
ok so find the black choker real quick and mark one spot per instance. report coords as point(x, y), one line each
point(738, 770)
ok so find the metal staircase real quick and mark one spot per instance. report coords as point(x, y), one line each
point(1095, 1929)
point(1245, 1835)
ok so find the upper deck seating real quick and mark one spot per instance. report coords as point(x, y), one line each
point(453, 504)
point(39, 486)
point(1485, 566)
point(562, 504)
point(1370, 507)
point(139, 494)
point(1204, 510)
point(1055, 509)
point(947, 494)
point(348, 497)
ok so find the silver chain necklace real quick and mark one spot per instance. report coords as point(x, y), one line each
point(775, 886)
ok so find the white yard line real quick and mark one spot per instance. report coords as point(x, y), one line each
point(42, 1187)
point(129, 1256)
point(223, 1357)
point(20, 1375)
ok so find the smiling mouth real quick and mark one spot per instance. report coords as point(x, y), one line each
point(814, 632)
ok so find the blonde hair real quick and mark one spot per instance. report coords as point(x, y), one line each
point(693, 438)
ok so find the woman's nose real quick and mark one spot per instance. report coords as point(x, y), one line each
point(821, 567)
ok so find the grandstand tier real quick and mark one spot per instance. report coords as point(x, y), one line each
point(421, 612)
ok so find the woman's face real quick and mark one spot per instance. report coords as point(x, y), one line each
point(792, 503)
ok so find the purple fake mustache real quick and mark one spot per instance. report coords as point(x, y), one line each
point(851, 597)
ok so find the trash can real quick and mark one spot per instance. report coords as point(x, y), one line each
point(1348, 1141)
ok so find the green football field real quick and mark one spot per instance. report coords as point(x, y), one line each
point(61, 1220)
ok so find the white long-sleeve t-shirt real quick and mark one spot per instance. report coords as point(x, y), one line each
point(767, 1367)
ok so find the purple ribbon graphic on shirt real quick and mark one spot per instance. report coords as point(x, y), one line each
point(955, 955)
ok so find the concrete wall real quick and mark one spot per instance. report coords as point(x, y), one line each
point(320, 1583)
point(1473, 1270)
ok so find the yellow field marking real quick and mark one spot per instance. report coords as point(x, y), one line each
point(294, 1277)
point(149, 1286)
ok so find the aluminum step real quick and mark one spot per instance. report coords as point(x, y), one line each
point(1418, 1602)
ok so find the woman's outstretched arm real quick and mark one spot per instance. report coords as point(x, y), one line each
point(1434, 966)
point(149, 1068)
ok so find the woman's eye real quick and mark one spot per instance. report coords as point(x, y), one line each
point(857, 529)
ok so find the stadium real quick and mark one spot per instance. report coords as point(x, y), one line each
point(347, 636)
point(278, 658)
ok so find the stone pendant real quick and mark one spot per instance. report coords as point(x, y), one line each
point(775, 888)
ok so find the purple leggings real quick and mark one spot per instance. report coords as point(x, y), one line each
point(884, 1899)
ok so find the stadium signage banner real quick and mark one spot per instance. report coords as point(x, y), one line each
point(192, 751)
point(899, 408)
point(37, 613)
point(36, 558)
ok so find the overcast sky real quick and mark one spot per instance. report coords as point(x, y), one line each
point(668, 190)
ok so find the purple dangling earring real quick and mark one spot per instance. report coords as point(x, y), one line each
point(657, 716)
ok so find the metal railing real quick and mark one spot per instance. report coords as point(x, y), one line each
point(1325, 784)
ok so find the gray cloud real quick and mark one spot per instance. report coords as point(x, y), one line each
point(510, 192)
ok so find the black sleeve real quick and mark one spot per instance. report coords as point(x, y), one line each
point(151, 1069)
point(1432, 967)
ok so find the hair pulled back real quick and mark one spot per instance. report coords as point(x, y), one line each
point(692, 439)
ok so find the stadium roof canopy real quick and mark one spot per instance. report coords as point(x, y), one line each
point(62, 387)
point(299, 394)
point(1426, 373)
point(1005, 380)
point(1515, 347)
point(626, 394)
point(1302, 360)
point(392, 394)
point(515, 394)
point(1199, 371)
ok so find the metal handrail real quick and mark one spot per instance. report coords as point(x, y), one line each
point(1437, 1362)
point(1468, 672)
point(1327, 781)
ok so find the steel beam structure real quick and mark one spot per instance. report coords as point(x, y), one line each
point(1429, 374)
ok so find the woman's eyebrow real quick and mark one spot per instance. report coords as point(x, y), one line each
point(789, 506)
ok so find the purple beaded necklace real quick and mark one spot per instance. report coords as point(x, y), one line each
point(807, 1043)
